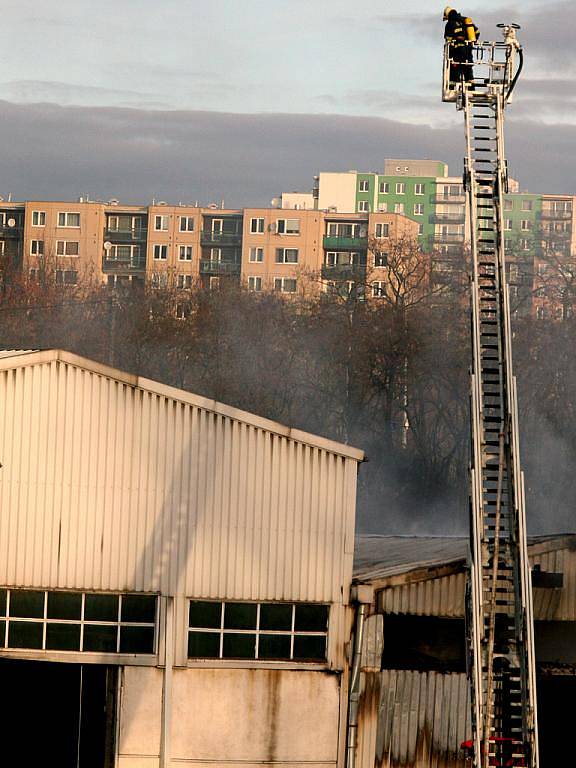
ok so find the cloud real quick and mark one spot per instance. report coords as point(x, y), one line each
point(50, 152)
point(74, 94)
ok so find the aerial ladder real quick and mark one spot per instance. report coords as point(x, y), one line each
point(499, 606)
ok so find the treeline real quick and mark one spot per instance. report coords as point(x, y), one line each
point(388, 376)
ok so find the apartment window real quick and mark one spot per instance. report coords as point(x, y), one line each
point(525, 224)
point(160, 252)
point(185, 253)
point(67, 248)
point(161, 223)
point(419, 189)
point(254, 283)
point(186, 223)
point(400, 188)
point(256, 255)
point(34, 276)
point(77, 621)
point(399, 208)
point(257, 226)
point(215, 254)
point(364, 186)
point(214, 283)
point(351, 231)
point(418, 209)
point(182, 311)
point(286, 255)
point(288, 226)
point(384, 188)
point(184, 281)
point(66, 277)
point(526, 205)
point(380, 259)
point(420, 229)
point(508, 224)
point(159, 279)
point(508, 205)
point(525, 245)
point(66, 219)
point(265, 631)
point(382, 207)
point(378, 289)
point(38, 218)
point(363, 206)
point(37, 247)
point(285, 284)
point(382, 229)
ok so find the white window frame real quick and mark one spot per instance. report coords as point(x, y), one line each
point(161, 219)
point(400, 187)
point(112, 252)
point(507, 225)
point(527, 205)
point(36, 247)
point(382, 229)
point(288, 227)
point(508, 204)
point(63, 272)
point(419, 189)
point(281, 282)
point(379, 256)
point(184, 282)
point(284, 252)
point(525, 225)
point(418, 209)
point(399, 209)
point(255, 283)
point(384, 188)
point(40, 217)
point(378, 289)
point(66, 215)
point(363, 185)
point(363, 206)
point(188, 252)
point(256, 255)
point(187, 224)
point(257, 225)
point(160, 252)
point(64, 244)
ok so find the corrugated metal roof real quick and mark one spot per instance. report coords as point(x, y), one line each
point(376, 557)
point(379, 557)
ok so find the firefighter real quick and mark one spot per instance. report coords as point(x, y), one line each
point(462, 33)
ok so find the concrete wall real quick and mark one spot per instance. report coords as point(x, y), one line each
point(231, 717)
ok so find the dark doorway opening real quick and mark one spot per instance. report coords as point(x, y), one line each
point(556, 697)
point(59, 714)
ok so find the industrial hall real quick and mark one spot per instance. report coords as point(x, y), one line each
point(175, 575)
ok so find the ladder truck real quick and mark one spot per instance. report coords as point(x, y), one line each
point(500, 625)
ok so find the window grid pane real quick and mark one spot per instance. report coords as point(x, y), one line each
point(57, 621)
point(268, 631)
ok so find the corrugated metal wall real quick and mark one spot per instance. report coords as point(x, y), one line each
point(109, 486)
point(445, 596)
point(423, 719)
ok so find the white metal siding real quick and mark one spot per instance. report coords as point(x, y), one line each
point(109, 486)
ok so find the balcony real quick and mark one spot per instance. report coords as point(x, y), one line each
point(125, 235)
point(207, 237)
point(444, 198)
point(345, 243)
point(210, 267)
point(448, 218)
point(447, 238)
point(550, 215)
point(343, 272)
point(126, 266)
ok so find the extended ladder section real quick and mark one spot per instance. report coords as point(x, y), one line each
point(502, 672)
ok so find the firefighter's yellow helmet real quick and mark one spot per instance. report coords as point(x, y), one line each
point(446, 12)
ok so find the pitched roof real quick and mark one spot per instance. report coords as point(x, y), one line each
point(10, 359)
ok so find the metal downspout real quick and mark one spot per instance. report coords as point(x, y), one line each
point(354, 697)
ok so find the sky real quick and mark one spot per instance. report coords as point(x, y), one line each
point(185, 100)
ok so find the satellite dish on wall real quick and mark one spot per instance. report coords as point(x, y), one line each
point(107, 245)
point(11, 222)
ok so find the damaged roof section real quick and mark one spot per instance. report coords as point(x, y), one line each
point(426, 575)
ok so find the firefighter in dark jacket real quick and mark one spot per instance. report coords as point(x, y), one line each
point(462, 33)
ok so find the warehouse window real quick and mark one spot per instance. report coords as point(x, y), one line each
point(265, 631)
point(77, 621)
